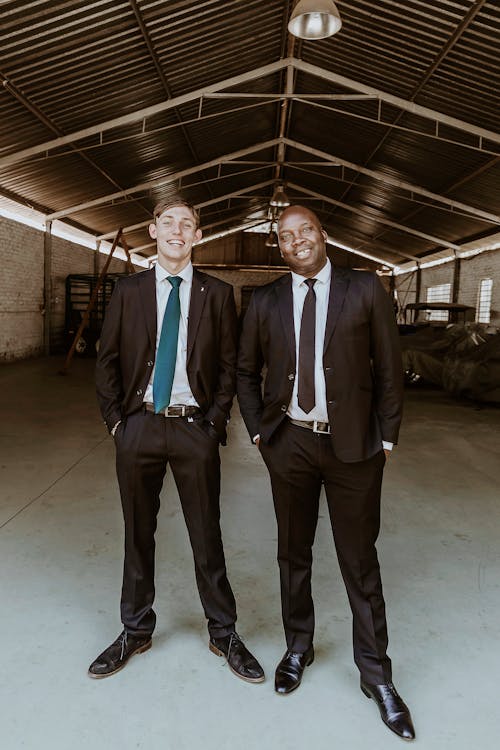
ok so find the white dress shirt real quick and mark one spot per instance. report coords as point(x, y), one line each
point(181, 392)
point(322, 291)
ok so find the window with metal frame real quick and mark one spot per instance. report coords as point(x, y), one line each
point(483, 309)
point(439, 293)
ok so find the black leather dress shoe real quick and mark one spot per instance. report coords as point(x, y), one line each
point(117, 655)
point(241, 662)
point(393, 710)
point(290, 670)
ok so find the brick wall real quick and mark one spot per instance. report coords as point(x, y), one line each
point(21, 284)
point(21, 290)
point(472, 270)
point(239, 279)
point(484, 266)
point(21, 287)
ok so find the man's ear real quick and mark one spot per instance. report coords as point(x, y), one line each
point(325, 236)
point(197, 235)
point(152, 231)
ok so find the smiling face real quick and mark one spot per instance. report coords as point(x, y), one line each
point(302, 241)
point(175, 233)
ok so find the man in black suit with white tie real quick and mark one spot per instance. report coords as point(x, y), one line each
point(328, 414)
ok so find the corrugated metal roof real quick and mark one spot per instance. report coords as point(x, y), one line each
point(71, 65)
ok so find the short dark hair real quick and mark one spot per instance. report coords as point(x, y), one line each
point(176, 200)
point(299, 207)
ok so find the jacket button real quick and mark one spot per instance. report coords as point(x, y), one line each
point(327, 369)
point(150, 363)
point(331, 402)
point(283, 408)
point(291, 376)
point(139, 391)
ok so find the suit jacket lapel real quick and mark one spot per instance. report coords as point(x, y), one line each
point(285, 305)
point(147, 286)
point(339, 285)
point(196, 304)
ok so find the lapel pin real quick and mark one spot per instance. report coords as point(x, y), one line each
point(202, 289)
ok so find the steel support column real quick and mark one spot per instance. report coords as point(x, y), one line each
point(47, 286)
point(455, 290)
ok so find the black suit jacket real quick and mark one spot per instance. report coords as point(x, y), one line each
point(128, 346)
point(361, 362)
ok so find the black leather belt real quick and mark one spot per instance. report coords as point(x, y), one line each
point(322, 428)
point(175, 411)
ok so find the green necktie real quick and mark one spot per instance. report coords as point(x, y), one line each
point(167, 348)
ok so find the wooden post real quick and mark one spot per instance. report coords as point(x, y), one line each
point(129, 264)
point(91, 304)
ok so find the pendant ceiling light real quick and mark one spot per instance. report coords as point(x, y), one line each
point(271, 239)
point(314, 19)
point(280, 199)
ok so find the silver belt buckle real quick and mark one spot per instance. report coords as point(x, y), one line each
point(322, 428)
point(177, 407)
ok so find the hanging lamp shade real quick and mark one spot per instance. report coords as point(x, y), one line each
point(280, 199)
point(314, 19)
point(271, 239)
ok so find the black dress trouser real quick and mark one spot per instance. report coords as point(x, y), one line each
point(299, 463)
point(145, 444)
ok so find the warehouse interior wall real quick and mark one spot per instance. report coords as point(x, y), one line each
point(22, 298)
point(21, 287)
point(472, 271)
point(239, 279)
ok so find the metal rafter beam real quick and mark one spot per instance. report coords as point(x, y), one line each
point(42, 117)
point(227, 176)
point(409, 198)
point(240, 218)
point(397, 101)
point(153, 131)
point(377, 119)
point(287, 48)
point(452, 41)
point(144, 113)
point(288, 42)
point(208, 238)
point(293, 97)
point(161, 75)
point(357, 236)
point(163, 181)
point(205, 227)
point(455, 37)
point(458, 183)
point(266, 70)
point(373, 217)
point(396, 182)
point(211, 202)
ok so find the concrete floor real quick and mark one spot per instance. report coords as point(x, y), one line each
point(60, 572)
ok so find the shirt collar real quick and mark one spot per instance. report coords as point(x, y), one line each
point(322, 276)
point(186, 274)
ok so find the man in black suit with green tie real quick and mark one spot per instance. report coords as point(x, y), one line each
point(165, 380)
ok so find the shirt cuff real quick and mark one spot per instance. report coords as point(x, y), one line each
point(387, 446)
point(116, 427)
